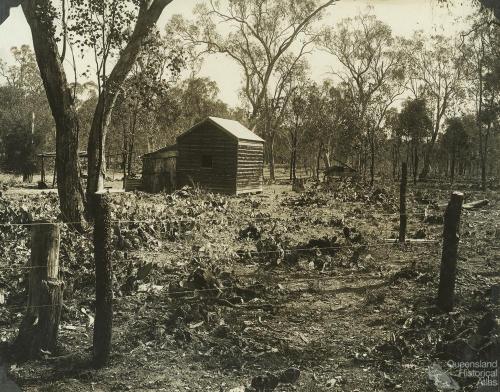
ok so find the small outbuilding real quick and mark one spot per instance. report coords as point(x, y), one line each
point(217, 154)
point(158, 170)
point(221, 156)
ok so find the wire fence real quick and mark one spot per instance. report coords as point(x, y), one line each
point(220, 289)
point(336, 247)
point(363, 245)
point(428, 248)
point(184, 220)
point(375, 214)
point(359, 246)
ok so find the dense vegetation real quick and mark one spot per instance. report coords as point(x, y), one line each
point(432, 101)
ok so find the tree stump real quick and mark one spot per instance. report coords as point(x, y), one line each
point(451, 238)
point(40, 326)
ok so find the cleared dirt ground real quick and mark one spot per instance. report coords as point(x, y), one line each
point(238, 287)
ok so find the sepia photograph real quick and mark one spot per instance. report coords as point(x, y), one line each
point(249, 195)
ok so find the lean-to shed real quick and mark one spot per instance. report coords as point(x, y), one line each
point(158, 170)
point(221, 156)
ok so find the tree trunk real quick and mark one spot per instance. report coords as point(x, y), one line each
point(452, 167)
point(479, 122)
point(403, 219)
point(395, 161)
point(328, 159)
point(124, 155)
point(71, 197)
point(271, 159)
point(364, 162)
point(149, 13)
point(430, 145)
point(318, 160)
point(130, 158)
point(484, 157)
point(415, 164)
point(394, 164)
point(130, 154)
point(97, 143)
point(483, 175)
point(131, 141)
point(372, 162)
point(294, 157)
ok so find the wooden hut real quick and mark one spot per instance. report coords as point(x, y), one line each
point(158, 170)
point(221, 156)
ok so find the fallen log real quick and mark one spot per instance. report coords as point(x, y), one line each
point(411, 241)
point(475, 204)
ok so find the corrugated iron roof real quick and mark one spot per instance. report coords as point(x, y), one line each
point(234, 128)
point(172, 147)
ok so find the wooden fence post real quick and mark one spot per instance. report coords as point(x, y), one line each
point(451, 237)
point(402, 203)
point(103, 278)
point(42, 173)
point(40, 326)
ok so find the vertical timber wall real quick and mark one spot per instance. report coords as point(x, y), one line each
point(208, 159)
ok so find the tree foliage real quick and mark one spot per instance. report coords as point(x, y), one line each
point(373, 72)
point(26, 124)
point(260, 33)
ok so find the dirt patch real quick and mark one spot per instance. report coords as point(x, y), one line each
point(217, 293)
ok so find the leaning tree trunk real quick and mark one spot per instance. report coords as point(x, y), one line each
point(149, 13)
point(71, 197)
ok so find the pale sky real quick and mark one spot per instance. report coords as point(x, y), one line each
point(403, 16)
